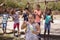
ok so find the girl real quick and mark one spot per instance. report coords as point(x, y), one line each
point(15, 16)
point(38, 16)
point(48, 19)
point(33, 28)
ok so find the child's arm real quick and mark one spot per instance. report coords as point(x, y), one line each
point(23, 15)
point(44, 16)
point(8, 15)
point(24, 25)
point(52, 18)
point(12, 18)
point(40, 15)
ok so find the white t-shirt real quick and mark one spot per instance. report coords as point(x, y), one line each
point(5, 18)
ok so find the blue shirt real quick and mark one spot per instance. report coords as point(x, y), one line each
point(47, 18)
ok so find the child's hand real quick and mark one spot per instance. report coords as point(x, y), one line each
point(35, 32)
point(52, 21)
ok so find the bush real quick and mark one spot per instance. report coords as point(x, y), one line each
point(58, 6)
point(13, 4)
point(22, 4)
point(1, 1)
point(54, 5)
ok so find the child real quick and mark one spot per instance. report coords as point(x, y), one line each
point(32, 28)
point(25, 14)
point(48, 19)
point(4, 20)
point(15, 16)
point(38, 14)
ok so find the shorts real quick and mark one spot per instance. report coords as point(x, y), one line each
point(47, 26)
point(16, 25)
point(38, 23)
point(4, 25)
point(25, 19)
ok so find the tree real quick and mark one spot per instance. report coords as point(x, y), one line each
point(58, 6)
point(1, 1)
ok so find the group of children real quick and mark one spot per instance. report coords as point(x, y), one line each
point(15, 16)
point(31, 22)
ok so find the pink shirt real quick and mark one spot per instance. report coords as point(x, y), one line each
point(37, 15)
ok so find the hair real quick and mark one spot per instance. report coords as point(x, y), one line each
point(28, 3)
point(5, 10)
point(26, 8)
point(12, 12)
point(48, 9)
point(38, 5)
point(49, 12)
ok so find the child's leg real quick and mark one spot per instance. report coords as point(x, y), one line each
point(49, 29)
point(4, 27)
point(18, 27)
point(39, 33)
point(14, 28)
point(45, 32)
point(45, 29)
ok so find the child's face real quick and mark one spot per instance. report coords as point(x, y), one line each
point(31, 18)
point(27, 11)
point(48, 12)
point(37, 8)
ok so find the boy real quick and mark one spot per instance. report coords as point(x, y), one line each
point(48, 19)
point(4, 20)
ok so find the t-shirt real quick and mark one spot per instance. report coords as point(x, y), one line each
point(5, 18)
point(47, 18)
point(16, 18)
point(31, 27)
point(29, 35)
point(25, 17)
point(37, 15)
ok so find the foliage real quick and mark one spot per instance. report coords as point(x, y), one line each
point(54, 5)
point(58, 6)
point(1, 1)
point(21, 3)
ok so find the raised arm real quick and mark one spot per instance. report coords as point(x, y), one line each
point(52, 18)
point(38, 28)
